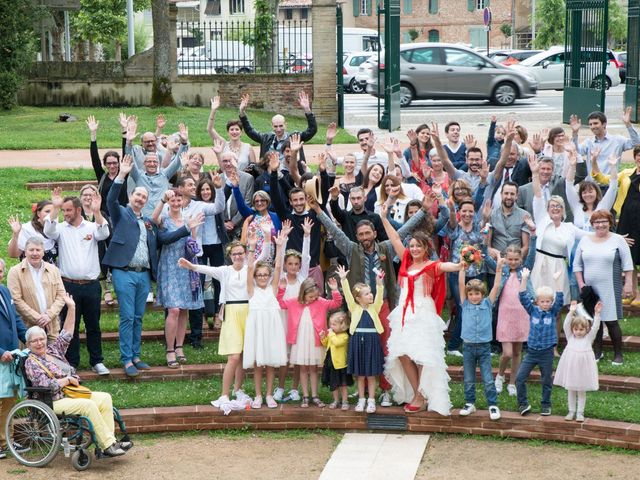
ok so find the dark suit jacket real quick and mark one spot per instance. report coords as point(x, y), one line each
point(525, 196)
point(12, 328)
point(126, 234)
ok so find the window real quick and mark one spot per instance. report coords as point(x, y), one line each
point(356, 61)
point(434, 35)
point(407, 7)
point(460, 58)
point(424, 56)
point(304, 13)
point(433, 6)
point(364, 7)
point(236, 7)
point(481, 4)
point(212, 7)
point(288, 14)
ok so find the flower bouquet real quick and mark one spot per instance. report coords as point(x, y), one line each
point(470, 255)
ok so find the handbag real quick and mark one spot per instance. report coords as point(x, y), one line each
point(209, 304)
point(70, 391)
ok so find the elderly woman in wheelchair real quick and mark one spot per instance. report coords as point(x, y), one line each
point(46, 368)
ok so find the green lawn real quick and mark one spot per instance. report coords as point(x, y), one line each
point(603, 405)
point(25, 128)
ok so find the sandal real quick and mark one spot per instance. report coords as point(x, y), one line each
point(257, 402)
point(172, 363)
point(333, 405)
point(271, 403)
point(108, 298)
point(317, 402)
point(305, 402)
point(180, 358)
point(345, 406)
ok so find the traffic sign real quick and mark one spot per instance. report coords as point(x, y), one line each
point(486, 16)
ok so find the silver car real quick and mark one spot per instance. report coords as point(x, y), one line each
point(350, 66)
point(437, 71)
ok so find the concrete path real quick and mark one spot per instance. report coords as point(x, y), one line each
point(375, 456)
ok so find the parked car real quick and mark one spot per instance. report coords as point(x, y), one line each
point(364, 72)
point(622, 65)
point(548, 68)
point(452, 72)
point(350, 66)
point(220, 57)
point(511, 57)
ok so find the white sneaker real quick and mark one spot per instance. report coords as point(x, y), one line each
point(100, 369)
point(371, 405)
point(579, 417)
point(360, 405)
point(499, 382)
point(220, 401)
point(512, 390)
point(455, 353)
point(241, 396)
point(278, 393)
point(494, 413)
point(150, 297)
point(294, 395)
point(257, 403)
point(570, 416)
point(385, 399)
point(468, 409)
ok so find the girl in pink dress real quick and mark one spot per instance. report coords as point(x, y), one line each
point(513, 319)
point(577, 369)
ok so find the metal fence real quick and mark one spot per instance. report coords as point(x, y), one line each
point(210, 48)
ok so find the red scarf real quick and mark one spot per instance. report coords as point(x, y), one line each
point(438, 292)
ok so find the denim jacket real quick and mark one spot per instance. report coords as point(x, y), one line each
point(476, 321)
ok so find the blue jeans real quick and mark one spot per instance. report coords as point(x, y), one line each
point(544, 360)
point(456, 330)
point(132, 289)
point(478, 354)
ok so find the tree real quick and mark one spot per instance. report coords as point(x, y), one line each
point(161, 90)
point(617, 32)
point(17, 46)
point(413, 34)
point(505, 29)
point(550, 17)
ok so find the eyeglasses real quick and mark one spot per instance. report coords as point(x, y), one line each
point(601, 222)
point(111, 163)
point(555, 207)
point(262, 275)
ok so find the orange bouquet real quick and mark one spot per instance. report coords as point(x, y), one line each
point(470, 255)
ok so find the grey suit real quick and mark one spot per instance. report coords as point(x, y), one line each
point(557, 186)
point(245, 183)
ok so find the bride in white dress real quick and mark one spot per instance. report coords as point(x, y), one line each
point(415, 364)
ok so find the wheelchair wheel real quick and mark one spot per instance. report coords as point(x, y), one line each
point(77, 430)
point(81, 460)
point(35, 427)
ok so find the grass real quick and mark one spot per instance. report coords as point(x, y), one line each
point(603, 405)
point(109, 321)
point(153, 352)
point(630, 367)
point(25, 128)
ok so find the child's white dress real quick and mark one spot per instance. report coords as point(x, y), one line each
point(264, 338)
point(577, 369)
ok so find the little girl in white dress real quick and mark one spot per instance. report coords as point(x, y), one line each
point(577, 369)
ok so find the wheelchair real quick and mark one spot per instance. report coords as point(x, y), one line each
point(35, 434)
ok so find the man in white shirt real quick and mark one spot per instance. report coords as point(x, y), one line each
point(80, 268)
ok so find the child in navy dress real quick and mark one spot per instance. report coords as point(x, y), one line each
point(334, 371)
point(365, 355)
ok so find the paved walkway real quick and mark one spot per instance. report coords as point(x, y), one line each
point(375, 456)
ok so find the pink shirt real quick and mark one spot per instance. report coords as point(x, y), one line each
point(318, 310)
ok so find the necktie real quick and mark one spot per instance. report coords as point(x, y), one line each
point(3, 304)
point(506, 175)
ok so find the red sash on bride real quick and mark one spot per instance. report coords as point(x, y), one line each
point(438, 292)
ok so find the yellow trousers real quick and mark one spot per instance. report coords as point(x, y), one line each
point(98, 409)
point(6, 404)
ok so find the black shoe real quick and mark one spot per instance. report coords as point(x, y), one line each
point(126, 446)
point(524, 409)
point(3, 454)
point(545, 411)
point(197, 345)
point(114, 451)
point(20, 448)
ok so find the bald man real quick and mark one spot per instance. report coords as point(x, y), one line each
point(276, 139)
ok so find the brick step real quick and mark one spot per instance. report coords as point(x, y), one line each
point(285, 417)
point(154, 335)
point(610, 383)
point(150, 307)
point(67, 186)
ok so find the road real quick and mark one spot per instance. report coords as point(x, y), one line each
point(545, 109)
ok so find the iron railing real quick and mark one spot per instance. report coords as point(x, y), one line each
point(219, 47)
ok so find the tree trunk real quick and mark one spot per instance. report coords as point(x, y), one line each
point(118, 54)
point(57, 35)
point(161, 91)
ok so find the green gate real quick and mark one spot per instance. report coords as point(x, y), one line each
point(633, 54)
point(390, 117)
point(585, 59)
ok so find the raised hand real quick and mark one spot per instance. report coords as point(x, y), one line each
point(161, 122)
point(573, 306)
point(92, 124)
point(626, 116)
point(334, 191)
point(244, 103)
point(307, 225)
point(274, 161)
point(413, 137)
point(195, 221)
point(500, 262)
point(332, 131)
point(526, 273)
point(233, 178)
point(218, 146)
point(371, 141)
point(536, 142)
point(435, 134)
point(216, 179)
point(486, 209)
point(388, 145)
point(96, 203)
point(183, 132)
point(484, 170)
point(56, 197)
point(303, 100)
point(184, 158)
point(126, 165)
point(215, 103)
point(493, 119)
point(598, 308)
point(294, 142)
point(380, 276)
point(14, 222)
point(123, 120)
point(342, 272)
point(533, 164)
point(168, 195)
point(470, 141)
point(575, 124)
point(132, 127)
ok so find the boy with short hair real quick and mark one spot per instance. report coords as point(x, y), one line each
point(542, 340)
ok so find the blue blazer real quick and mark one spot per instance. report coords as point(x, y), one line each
point(12, 328)
point(126, 234)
